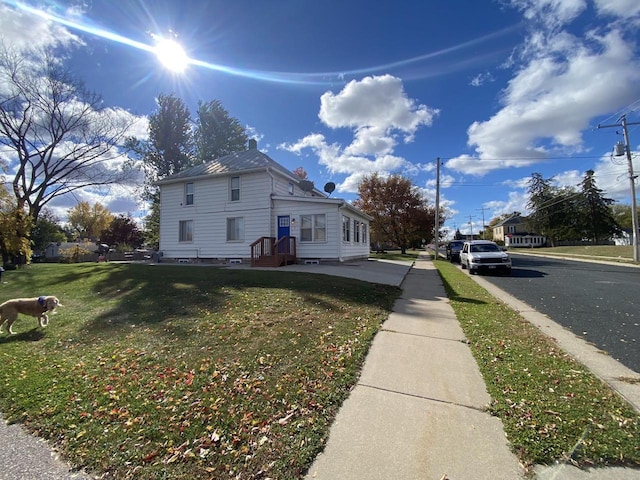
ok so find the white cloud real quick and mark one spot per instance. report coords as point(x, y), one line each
point(551, 99)
point(552, 13)
point(379, 113)
point(23, 30)
point(481, 79)
point(620, 8)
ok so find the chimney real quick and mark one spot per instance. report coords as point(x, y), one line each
point(253, 144)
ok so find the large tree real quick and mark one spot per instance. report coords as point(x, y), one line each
point(122, 231)
point(47, 229)
point(88, 221)
point(400, 213)
point(552, 210)
point(59, 136)
point(13, 224)
point(168, 150)
point(597, 220)
point(217, 133)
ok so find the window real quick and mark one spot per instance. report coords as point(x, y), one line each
point(235, 189)
point(235, 229)
point(364, 233)
point(188, 194)
point(290, 188)
point(186, 231)
point(313, 228)
point(346, 229)
point(356, 231)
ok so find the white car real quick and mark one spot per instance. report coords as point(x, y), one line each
point(483, 255)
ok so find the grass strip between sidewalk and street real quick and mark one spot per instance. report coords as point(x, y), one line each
point(182, 372)
point(552, 408)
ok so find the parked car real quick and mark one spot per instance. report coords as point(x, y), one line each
point(453, 249)
point(483, 255)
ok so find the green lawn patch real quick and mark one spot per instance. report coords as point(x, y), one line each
point(182, 372)
point(409, 256)
point(552, 408)
point(612, 252)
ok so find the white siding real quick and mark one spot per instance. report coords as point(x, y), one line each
point(317, 250)
point(211, 208)
point(353, 249)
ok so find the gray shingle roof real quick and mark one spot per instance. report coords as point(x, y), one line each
point(512, 220)
point(235, 162)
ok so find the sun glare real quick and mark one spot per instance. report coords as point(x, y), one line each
point(171, 55)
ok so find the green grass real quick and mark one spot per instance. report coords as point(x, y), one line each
point(552, 408)
point(614, 252)
point(409, 256)
point(174, 372)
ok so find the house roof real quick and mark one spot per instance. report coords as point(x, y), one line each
point(237, 162)
point(512, 220)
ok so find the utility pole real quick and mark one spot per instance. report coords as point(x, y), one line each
point(483, 225)
point(632, 179)
point(437, 219)
point(470, 228)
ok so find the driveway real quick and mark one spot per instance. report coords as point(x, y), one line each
point(387, 272)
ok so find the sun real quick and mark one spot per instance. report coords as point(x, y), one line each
point(171, 55)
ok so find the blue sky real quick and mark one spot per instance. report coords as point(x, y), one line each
point(497, 90)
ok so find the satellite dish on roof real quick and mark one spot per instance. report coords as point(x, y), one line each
point(329, 187)
point(306, 185)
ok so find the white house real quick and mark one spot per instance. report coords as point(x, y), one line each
point(246, 207)
point(512, 232)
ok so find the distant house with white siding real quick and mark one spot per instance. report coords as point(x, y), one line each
point(511, 231)
point(246, 207)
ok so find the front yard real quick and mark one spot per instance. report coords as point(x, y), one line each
point(172, 372)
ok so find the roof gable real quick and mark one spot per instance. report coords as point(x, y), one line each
point(237, 162)
point(512, 220)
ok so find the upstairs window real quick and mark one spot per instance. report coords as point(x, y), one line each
point(290, 188)
point(235, 189)
point(188, 194)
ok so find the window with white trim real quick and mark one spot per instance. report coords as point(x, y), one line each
point(364, 233)
point(346, 229)
point(291, 186)
point(185, 231)
point(235, 229)
point(313, 228)
point(356, 231)
point(235, 189)
point(188, 193)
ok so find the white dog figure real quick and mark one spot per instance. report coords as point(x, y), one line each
point(35, 307)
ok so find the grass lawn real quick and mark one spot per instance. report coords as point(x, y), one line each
point(552, 408)
point(182, 372)
point(614, 252)
point(409, 256)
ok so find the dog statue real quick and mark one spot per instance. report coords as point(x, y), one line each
point(35, 307)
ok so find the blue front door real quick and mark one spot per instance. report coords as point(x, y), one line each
point(284, 230)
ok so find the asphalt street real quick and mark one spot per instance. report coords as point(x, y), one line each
point(598, 302)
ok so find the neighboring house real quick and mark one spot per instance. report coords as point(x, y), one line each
point(624, 238)
point(236, 208)
point(511, 231)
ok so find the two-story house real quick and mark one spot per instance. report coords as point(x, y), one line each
point(511, 231)
point(246, 207)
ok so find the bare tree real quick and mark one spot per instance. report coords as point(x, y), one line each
point(59, 135)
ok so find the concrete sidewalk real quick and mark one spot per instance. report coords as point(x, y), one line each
point(418, 410)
